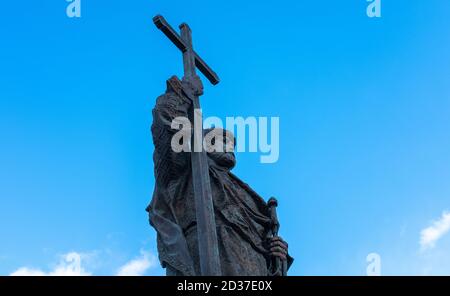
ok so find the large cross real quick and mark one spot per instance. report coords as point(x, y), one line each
point(206, 223)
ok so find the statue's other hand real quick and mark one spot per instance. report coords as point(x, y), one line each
point(278, 248)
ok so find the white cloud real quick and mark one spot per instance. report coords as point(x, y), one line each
point(69, 265)
point(25, 271)
point(430, 235)
point(138, 266)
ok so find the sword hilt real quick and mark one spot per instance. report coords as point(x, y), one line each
point(272, 204)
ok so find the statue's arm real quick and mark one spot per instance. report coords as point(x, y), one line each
point(173, 104)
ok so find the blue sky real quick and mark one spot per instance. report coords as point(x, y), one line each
point(364, 108)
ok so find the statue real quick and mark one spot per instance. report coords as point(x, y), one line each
point(208, 221)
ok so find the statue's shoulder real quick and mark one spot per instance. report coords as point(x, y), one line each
point(248, 189)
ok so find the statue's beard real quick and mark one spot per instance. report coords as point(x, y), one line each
point(224, 160)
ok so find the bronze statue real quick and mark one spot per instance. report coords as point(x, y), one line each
point(243, 219)
point(208, 221)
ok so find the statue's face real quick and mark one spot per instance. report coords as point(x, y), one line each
point(225, 159)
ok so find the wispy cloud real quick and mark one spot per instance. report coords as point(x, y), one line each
point(430, 235)
point(138, 266)
point(69, 265)
point(74, 264)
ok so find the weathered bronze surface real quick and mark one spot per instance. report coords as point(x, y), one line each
point(244, 221)
point(208, 221)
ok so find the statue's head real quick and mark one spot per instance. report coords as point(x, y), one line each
point(220, 145)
